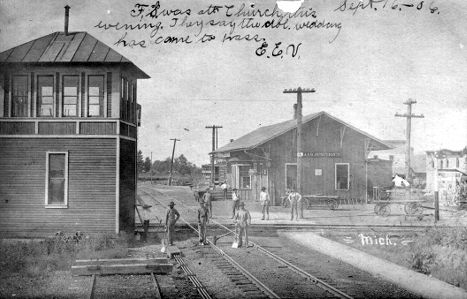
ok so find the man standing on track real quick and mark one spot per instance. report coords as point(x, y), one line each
point(264, 200)
point(235, 201)
point(224, 189)
point(242, 220)
point(170, 220)
point(203, 219)
point(294, 198)
point(207, 198)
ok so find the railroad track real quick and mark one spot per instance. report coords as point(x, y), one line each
point(124, 286)
point(268, 286)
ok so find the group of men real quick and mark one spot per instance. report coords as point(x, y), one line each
point(240, 215)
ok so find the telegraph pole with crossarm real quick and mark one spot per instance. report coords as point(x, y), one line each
point(299, 92)
point(214, 142)
point(172, 162)
point(409, 117)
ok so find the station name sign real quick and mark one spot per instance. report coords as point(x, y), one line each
point(320, 154)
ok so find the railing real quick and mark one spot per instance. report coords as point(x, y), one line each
point(66, 126)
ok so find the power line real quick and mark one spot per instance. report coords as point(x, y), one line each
point(409, 117)
point(299, 92)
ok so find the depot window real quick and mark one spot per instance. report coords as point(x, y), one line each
point(56, 188)
point(342, 176)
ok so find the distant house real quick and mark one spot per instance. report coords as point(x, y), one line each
point(335, 158)
point(450, 167)
point(68, 136)
point(397, 154)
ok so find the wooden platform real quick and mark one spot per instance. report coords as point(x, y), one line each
point(121, 266)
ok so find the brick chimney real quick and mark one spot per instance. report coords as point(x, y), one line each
point(67, 17)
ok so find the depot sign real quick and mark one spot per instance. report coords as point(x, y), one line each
point(319, 154)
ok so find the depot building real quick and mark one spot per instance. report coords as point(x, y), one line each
point(335, 159)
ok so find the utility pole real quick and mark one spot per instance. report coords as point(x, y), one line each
point(299, 92)
point(214, 140)
point(172, 162)
point(409, 117)
point(150, 169)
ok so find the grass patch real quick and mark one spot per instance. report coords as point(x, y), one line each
point(440, 252)
point(38, 258)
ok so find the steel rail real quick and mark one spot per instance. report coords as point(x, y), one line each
point(192, 277)
point(93, 283)
point(156, 286)
point(320, 283)
point(267, 291)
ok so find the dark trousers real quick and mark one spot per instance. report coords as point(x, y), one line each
point(170, 232)
point(209, 207)
point(234, 207)
point(265, 210)
point(243, 230)
point(202, 232)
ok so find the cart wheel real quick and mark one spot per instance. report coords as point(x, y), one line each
point(385, 210)
point(377, 208)
point(332, 204)
point(413, 208)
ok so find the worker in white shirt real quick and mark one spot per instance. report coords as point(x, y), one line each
point(264, 200)
point(294, 198)
point(224, 189)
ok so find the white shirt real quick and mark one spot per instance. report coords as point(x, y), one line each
point(224, 186)
point(264, 197)
point(235, 196)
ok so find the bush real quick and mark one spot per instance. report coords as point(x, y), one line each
point(437, 246)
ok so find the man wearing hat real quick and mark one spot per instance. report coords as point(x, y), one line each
point(170, 220)
point(242, 220)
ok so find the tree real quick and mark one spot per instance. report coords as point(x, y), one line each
point(147, 164)
point(140, 161)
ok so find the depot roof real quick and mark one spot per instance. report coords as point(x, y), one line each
point(264, 134)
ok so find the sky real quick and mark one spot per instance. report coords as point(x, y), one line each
point(362, 73)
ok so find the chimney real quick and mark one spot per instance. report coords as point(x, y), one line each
point(294, 111)
point(67, 16)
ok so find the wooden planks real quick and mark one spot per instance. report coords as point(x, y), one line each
point(161, 260)
point(121, 266)
point(172, 251)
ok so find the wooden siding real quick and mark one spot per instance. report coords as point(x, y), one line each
point(91, 186)
point(132, 132)
point(16, 128)
point(127, 185)
point(322, 137)
point(98, 128)
point(57, 128)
